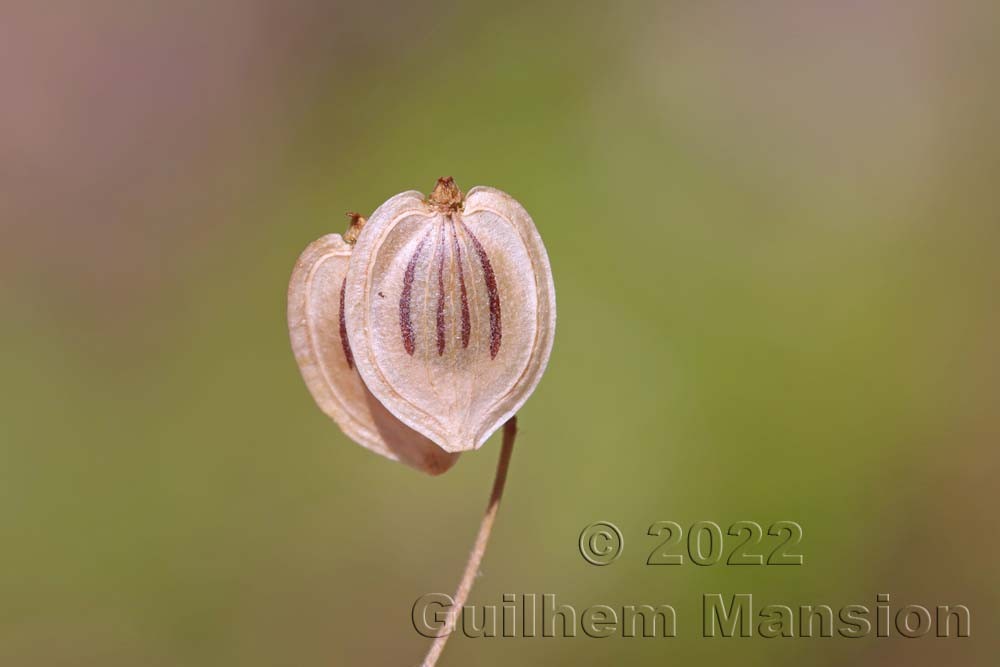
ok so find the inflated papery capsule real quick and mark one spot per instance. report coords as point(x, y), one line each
point(451, 310)
point(317, 328)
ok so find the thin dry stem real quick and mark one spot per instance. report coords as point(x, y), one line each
point(479, 548)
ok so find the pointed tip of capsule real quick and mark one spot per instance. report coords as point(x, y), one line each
point(446, 194)
point(357, 222)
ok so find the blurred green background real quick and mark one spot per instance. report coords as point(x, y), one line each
point(774, 234)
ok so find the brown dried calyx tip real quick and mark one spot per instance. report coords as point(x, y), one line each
point(357, 222)
point(446, 195)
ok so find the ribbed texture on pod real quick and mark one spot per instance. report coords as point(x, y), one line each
point(450, 311)
point(318, 331)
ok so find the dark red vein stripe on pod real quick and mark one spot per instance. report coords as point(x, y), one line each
point(491, 292)
point(440, 295)
point(457, 250)
point(343, 328)
point(405, 318)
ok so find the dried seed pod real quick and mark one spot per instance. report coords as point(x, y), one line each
point(318, 334)
point(451, 310)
